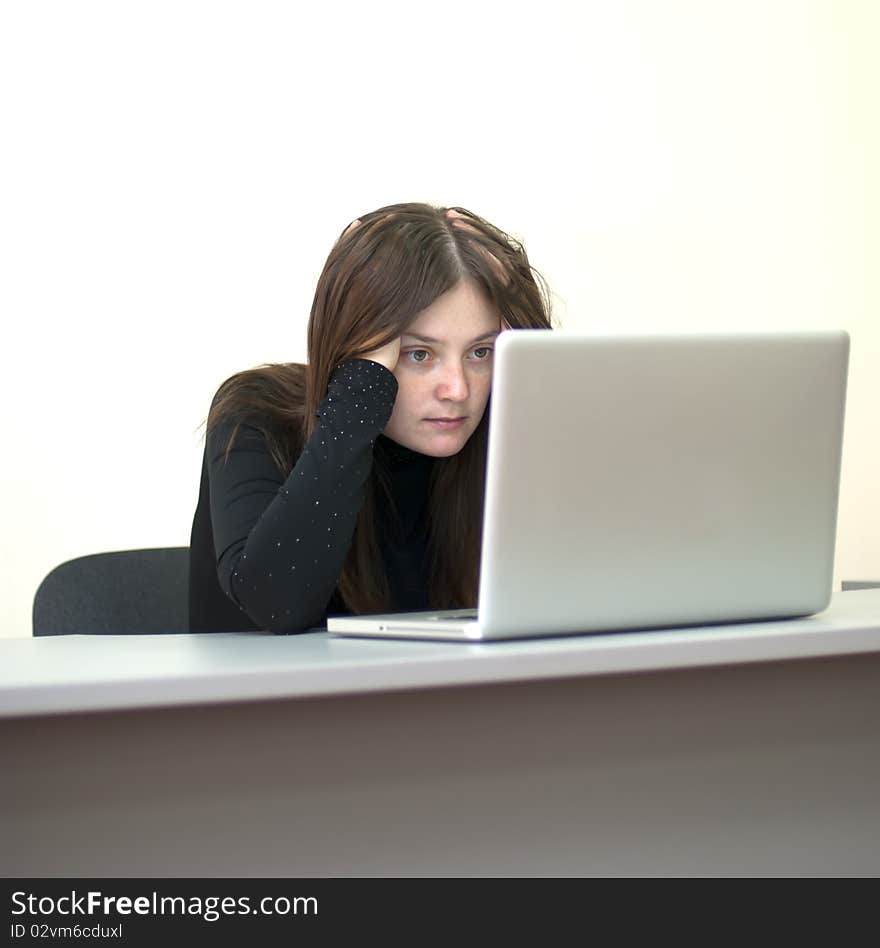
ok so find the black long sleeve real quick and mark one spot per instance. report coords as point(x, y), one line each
point(281, 543)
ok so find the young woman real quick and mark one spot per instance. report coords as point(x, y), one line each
point(354, 484)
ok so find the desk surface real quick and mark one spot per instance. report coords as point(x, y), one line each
point(73, 673)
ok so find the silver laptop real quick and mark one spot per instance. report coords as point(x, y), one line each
point(639, 482)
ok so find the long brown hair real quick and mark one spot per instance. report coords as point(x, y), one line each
point(377, 279)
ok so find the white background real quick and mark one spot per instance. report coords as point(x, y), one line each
point(173, 175)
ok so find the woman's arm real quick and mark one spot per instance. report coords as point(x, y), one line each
point(281, 543)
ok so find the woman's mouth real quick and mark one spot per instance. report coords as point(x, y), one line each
point(444, 423)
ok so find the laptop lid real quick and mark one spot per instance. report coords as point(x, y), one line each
point(642, 481)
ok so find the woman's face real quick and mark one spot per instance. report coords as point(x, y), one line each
point(445, 372)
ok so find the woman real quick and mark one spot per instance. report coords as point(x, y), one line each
point(354, 484)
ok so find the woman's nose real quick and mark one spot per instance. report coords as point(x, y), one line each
point(453, 384)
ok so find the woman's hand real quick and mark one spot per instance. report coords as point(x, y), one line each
point(387, 355)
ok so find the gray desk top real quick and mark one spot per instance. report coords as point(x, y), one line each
point(77, 673)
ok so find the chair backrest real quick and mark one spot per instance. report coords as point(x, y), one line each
point(128, 591)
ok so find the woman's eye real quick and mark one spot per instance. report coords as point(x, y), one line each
point(421, 356)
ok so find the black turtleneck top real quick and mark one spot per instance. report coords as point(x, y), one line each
point(266, 551)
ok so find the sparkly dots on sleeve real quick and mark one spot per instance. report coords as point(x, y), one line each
point(281, 543)
point(360, 393)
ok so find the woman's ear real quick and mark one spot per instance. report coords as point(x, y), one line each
point(348, 229)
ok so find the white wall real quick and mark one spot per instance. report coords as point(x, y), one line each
point(173, 174)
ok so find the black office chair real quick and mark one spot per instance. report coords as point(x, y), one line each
point(128, 591)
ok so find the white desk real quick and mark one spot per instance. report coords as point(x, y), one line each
point(749, 749)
